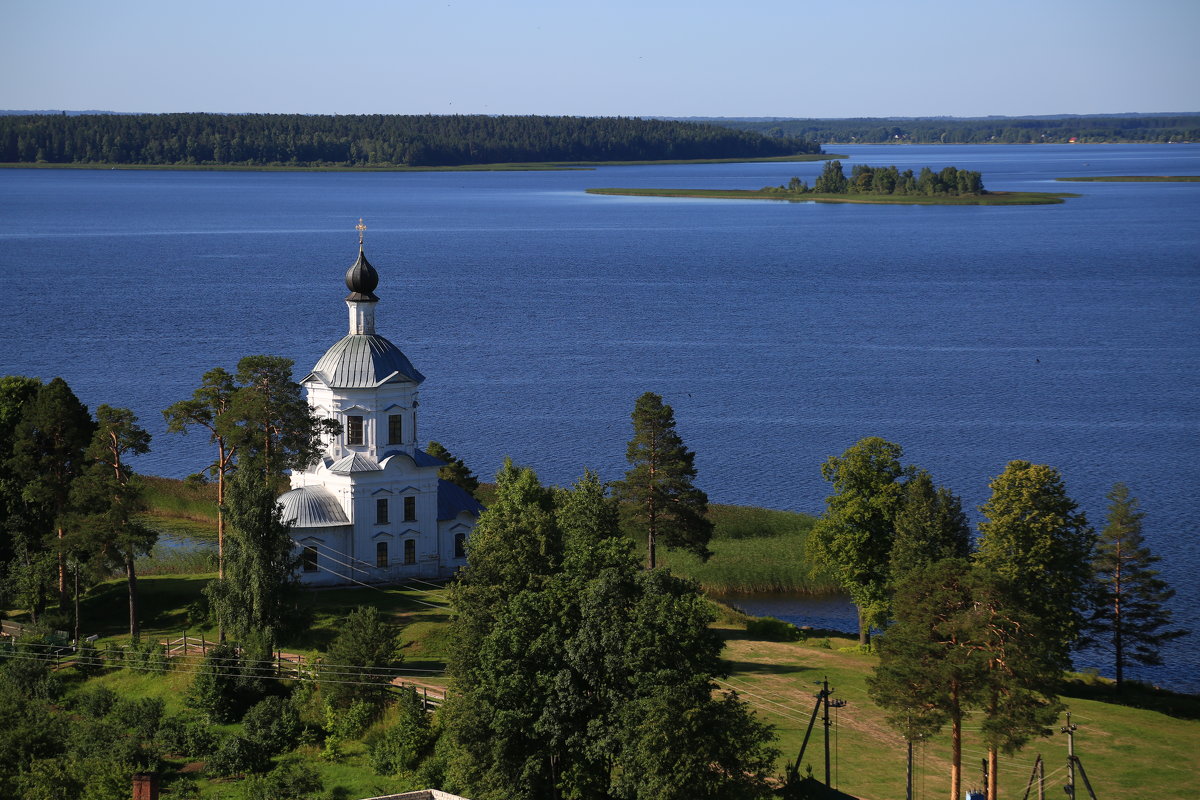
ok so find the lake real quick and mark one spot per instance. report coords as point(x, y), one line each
point(781, 333)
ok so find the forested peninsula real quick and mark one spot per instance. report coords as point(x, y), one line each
point(371, 141)
point(1058, 129)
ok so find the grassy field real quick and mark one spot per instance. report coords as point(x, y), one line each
point(1134, 179)
point(1128, 752)
point(989, 199)
point(517, 166)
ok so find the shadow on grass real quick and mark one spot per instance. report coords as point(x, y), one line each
point(1134, 695)
point(751, 667)
point(162, 604)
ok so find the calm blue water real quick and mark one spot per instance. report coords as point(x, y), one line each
point(781, 333)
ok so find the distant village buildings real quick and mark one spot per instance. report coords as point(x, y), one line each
point(372, 509)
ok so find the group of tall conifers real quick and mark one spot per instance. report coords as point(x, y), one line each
point(68, 499)
point(69, 509)
point(984, 624)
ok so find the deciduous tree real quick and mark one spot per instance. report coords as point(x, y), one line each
point(257, 599)
point(659, 483)
point(1130, 617)
point(590, 678)
point(854, 538)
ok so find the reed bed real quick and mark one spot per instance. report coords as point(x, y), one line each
point(172, 558)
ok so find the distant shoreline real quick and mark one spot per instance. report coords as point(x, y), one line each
point(530, 166)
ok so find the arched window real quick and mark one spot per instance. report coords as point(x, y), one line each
point(460, 545)
point(410, 551)
point(381, 554)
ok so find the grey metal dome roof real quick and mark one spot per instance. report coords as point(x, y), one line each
point(364, 360)
point(312, 507)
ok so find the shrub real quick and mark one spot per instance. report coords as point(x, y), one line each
point(236, 755)
point(774, 630)
point(182, 736)
point(214, 691)
point(403, 746)
point(140, 716)
point(87, 660)
point(273, 724)
point(291, 780)
point(348, 723)
point(96, 703)
point(30, 676)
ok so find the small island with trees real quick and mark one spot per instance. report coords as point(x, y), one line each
point(867, 184)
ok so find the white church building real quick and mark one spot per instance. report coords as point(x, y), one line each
point(372, 509)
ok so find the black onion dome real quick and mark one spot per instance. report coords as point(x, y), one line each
point(361, 279)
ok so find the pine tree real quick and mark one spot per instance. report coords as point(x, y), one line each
point(1037, 547)
point(108, 497)
point(207, 408)
point(1130, 616)
point(455, 471)
point(659, 484)
point(48, 454)
point(931, 668)
point(930, 526)
point(270, 422)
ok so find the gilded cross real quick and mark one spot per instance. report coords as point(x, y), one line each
point(360, 228)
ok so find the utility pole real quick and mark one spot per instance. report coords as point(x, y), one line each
point(825, 720)
point(1073, 762)
point(1069, 730)
point(824, 704)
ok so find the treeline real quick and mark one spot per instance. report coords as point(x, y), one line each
point(375, 140)
point(987, 130)
point(864, 179)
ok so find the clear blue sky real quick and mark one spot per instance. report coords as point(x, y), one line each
point(605, 57)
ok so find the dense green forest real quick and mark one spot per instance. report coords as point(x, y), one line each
point(375, 140)
point(983, 130)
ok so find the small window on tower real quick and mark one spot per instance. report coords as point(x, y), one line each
point(309, 559)
point(410, 509)
point(410, 551)
point(460, 545)
point(395, 429)
point(354, 430)
point(381, 511)
point(381, 554)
